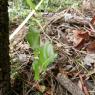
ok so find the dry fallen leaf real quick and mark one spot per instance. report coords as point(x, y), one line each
point(40, 88)
point(93, 21)
point(80, 37)
point(91, 47)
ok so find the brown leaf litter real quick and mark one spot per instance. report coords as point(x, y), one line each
point(73, 37)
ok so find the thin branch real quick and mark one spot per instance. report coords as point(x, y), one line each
point(25, 21)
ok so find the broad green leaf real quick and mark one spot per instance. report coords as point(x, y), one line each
point(33, 38)
point(36, 70)
point(48, 49)
point(48, 61)
point(41, 55)
point(46, 56)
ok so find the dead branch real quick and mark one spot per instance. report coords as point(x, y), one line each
point(69, 18)
point(69, 85)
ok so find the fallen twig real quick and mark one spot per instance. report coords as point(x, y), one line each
point(69, 18)
point(85, 89)
point(69, 85)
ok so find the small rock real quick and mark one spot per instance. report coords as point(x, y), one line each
point(89, 58)
point(22, 58)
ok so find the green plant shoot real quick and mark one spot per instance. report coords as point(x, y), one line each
point(33, 38)
point(43, 55)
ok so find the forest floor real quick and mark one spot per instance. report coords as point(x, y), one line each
point(73, 71)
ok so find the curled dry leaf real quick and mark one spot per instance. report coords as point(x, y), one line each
point(91, 47)
point(80, 43)
point(80, 37)
point(93, 21)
